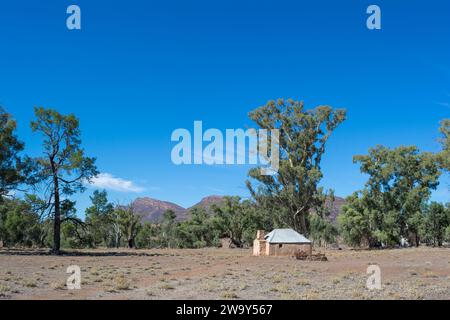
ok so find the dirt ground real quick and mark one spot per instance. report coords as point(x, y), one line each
point(414, 273)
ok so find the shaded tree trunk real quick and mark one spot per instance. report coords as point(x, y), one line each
point(117, 240)
point(299, 222)
point(57, 218)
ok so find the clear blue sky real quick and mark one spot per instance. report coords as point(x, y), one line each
point(140, 69)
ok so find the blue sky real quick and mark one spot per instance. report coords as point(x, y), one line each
point(140, 69)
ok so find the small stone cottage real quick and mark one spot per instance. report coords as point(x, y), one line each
point(280, 242)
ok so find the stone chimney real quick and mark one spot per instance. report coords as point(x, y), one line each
point(259, 245)
point(260, 234)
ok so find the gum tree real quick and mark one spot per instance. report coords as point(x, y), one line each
point(237, 220)
point(437, 219)
point(293, 193)
point(99, 217)
point(11, 164)
point(63, 169)
point(129, 222)
point(390, 206)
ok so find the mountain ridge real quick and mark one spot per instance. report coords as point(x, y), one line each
point(152, 210)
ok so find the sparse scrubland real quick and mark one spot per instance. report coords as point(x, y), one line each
point(414, 273)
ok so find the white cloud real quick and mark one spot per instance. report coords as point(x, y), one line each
point(108, 181)
point(444, 104)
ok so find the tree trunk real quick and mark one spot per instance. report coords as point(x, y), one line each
point(57, 222)
point(303, 224)
point(299, 222)
point(131, 243)
point(116, 235)
point(117, 240)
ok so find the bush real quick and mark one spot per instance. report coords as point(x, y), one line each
point(18, 224)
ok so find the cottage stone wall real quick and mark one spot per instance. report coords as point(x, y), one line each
point(274, 249)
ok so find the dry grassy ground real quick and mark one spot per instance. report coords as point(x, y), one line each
point(422, 273)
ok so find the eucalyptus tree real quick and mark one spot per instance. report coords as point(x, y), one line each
point(11, 164)
point(391, 204)
point(437, 220)
point(129, 223)
point(292, 193)
point(237, 220)
point(99, 217)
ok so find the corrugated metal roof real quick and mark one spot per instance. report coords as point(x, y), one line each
point(285, 236)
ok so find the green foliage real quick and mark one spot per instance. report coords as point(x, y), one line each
point(129, 223)
point(237, 220)
point(293, 192)
point(399, 185)
point(74, 235)
point(169, 230)
point(437, 221)
point(389, 231)
point(416, 222)
point(19, 225)
point(231, 218)
point(198, 231)
point(234, 219)
point(356, 221)
point(64, 168)
point(148, 236)
point(99, 218)
point(445, 140)
point(64, 158)
point(323, 231)
point(10, 162)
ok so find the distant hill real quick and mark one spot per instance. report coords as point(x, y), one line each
point(207, 202)
point(152, 210)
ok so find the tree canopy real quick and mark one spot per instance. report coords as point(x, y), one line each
point(11, 165)
point(399, 185)
point(292, 193)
